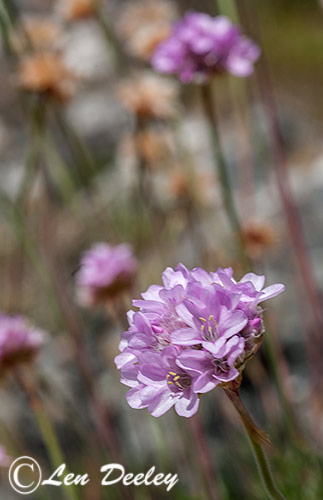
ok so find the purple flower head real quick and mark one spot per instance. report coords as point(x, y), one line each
point(213, 365)
point(19, 342)
point(194, 332)
point(105, 272)
point(201, 45)
point(210, 313)
point(162, 383)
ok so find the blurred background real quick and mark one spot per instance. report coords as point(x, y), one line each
point(95, 146)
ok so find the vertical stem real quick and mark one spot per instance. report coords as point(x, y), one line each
point(230, 7)
point(280, 164)
point(37, 119)
point(52, 444)
point(5, 28)
point(255, 437)
point(208, 102)
point(120, 58)
point(245, 174)
point(265, 471)
point(144, 184)
point(145, 187)
point(205, 457)
point(12, 11)
point(274, 355)
point(214, 7)
point(304, 265)
point(194, 221)
point(102, 418)
point(78, 147)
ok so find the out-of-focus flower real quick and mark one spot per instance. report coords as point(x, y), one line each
point(149, 96)
point(259, 236)
point(37, 33)
point(4, 458)
point(200, 46)
point(20, 342)
point(179, 184)
point(75, 10)
point(105, 272)
point(197, 187)
point(176, 184)
point(144, 24)
point(151, 146)
point(46, 73)
point(190, 335)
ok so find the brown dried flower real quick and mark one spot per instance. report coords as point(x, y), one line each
point(36, 32)
point(151, 146)
point(149, 96)
point(194, 186)
point(144, 24)
point(46, 73)
point(74, 10)
point(179, 184)
point(259, 236)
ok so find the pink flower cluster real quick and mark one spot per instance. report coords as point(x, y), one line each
point(190, 335)
point(19, 341)
point(105, 272)
point(5, 459)
point(201, 45)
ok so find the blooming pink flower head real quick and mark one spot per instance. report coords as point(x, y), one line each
point(105, 272)
point(191, 334)
point(201, 45)
point(19, 342)
point(4, 458)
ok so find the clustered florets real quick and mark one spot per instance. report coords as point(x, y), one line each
point(190, 335)
point(105, 272)
point(201, 45)
point(20, 342)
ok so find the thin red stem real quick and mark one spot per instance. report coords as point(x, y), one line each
point(206, 461)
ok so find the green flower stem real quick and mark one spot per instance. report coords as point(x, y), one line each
point(245, 171)
point(5, 28)
point(274, 353)
point(114, 48)
point(12, 11)
point(194, 221)
point(41, 146)
point(208, 102)
point(256, 439)
point(48, 434)
point(265, 471)
point(228, 8)
point(36, 113)
point(78, 147)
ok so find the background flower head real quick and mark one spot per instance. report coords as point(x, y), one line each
point(105, 272)
point(45, 72)
point(20, 342)
point(75, 10)
point(38, 33)
point(201, 45)
point(148, 96)
point(144, 24)
point(5, 459)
